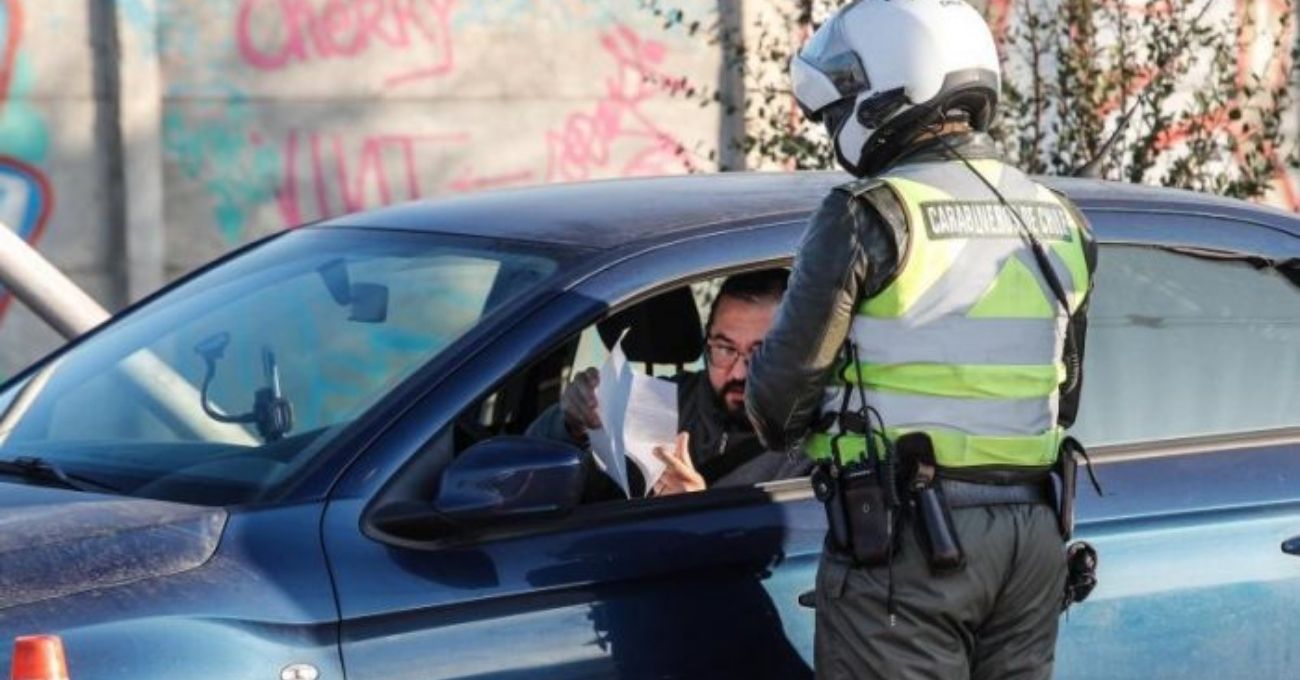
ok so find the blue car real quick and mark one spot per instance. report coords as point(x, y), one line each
point(307, 459)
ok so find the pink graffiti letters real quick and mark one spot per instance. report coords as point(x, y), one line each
point(414, 34)
point(585, 144)
point(346, 176)
point(468, 180)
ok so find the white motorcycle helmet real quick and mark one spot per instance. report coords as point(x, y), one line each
point(878, 70)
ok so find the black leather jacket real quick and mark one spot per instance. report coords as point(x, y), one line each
point(849, 252)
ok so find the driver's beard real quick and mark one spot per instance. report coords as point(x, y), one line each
point(736, 416)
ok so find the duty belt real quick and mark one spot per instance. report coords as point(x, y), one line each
point(961, 494)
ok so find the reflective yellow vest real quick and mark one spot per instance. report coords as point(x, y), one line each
point(966, 342)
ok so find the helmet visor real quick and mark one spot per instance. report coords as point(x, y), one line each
point(827, 53)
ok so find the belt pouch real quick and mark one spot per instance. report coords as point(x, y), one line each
point(1081, 572)
point(937, 533)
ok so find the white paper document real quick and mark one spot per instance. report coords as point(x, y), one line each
point(638, 412)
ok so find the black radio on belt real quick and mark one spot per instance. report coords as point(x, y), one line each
point(861, 499)
point(861, 507)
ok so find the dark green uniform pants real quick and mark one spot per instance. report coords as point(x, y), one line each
point(997, 618)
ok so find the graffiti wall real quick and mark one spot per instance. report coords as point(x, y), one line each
point(281, 112)
point(48, 152)
point(265, 114)
point(274, 113)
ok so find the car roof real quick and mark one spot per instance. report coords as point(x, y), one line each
point(612, 213)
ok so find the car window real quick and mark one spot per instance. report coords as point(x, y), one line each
point(593, 352)
point(515, 406)
point(662, 336)
point(172, 401)
point(1181, 345)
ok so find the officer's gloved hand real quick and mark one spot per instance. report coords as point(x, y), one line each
point(578, 403)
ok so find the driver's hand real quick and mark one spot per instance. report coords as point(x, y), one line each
point(679, 474)
point(578, 402)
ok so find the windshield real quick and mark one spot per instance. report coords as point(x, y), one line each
point(224, 386)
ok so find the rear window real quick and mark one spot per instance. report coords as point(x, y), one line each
point(1183, 346)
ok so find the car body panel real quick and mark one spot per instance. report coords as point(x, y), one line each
point(55, 543)
point(261, 601)
point(664, 594)
point(1192, 576)
point(583, 570)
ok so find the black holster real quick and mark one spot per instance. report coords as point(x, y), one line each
point(936, 532)
point(1066, 472)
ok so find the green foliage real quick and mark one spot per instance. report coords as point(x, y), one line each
point(1072, 70)
point(757, 51)
point(1197, 118)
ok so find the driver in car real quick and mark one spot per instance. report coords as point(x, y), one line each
point(716, 445)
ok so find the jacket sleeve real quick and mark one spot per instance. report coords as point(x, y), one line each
point(842, 252)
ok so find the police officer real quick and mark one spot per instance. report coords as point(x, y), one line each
point(927, 355)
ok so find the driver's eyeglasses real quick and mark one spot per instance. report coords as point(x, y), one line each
point(724, 355)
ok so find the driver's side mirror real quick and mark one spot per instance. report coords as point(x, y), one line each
point(511, 477)
point(498, 480)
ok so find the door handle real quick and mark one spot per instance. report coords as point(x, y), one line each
point(809, 599)
point(1291, 546)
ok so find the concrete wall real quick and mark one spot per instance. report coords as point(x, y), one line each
point(140, 138)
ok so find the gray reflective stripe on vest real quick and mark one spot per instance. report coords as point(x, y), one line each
point(996, 417)
point(958, 340)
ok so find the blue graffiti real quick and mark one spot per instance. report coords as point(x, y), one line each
point(138, 13)
point(215, 144)
point(25, 199)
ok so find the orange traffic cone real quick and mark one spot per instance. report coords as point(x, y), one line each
point(38, 657)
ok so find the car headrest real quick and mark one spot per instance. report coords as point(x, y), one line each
point(665, 329)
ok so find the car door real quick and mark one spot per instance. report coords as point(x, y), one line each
point(699, 585)
point(1191, 408)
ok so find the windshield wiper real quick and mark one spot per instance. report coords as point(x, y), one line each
point(41, 470)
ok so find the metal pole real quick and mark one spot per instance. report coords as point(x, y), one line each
point(732, 110)
point(67, 308)
point(44, 289)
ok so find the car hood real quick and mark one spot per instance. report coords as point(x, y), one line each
point(56, 542)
